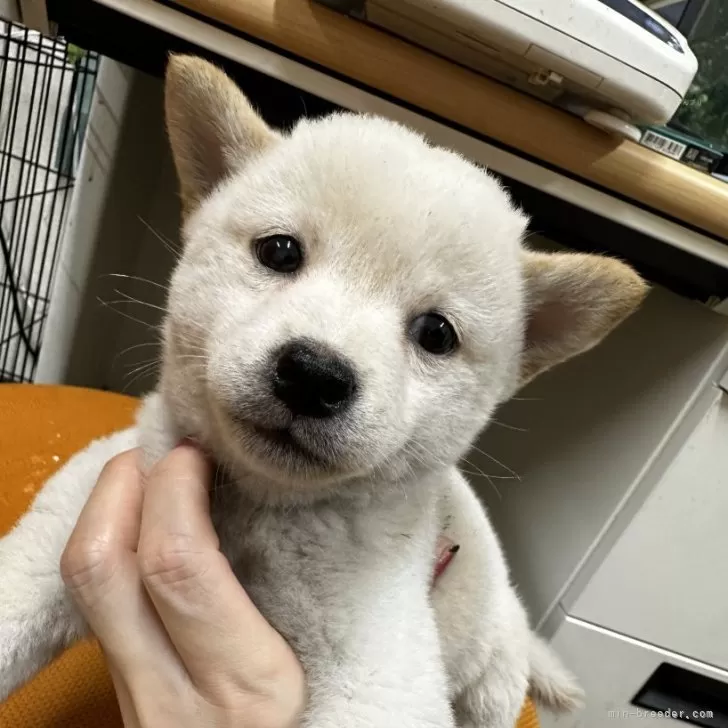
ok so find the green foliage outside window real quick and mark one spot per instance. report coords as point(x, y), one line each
point(704, 113)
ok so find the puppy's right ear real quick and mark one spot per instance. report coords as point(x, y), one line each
point(212, 127)
point(573, 301)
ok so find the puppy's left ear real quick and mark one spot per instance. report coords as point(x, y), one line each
point(212, 127)
point(573, 301)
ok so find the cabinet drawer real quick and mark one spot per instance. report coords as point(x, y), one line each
point(612, 669)
point(664, 581)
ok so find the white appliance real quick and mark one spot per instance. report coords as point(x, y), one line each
point(613, 62)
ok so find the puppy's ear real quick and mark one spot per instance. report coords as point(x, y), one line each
point(212, 127)
point(573, 301)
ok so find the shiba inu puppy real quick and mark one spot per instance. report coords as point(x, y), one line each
point(350, 307)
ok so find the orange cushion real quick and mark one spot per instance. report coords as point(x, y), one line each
point(40, 428)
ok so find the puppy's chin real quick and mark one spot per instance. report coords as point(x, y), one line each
point(283, 457)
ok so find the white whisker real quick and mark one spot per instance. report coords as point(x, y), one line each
point(126, 298)
point(147, 370)
point(124, 314)
point(136, 278)
point(485, 475)
point(168, 244)
point(497, 462)
point(506, 426)
point(142, 366)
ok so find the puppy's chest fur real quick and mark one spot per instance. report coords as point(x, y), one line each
point(321, 572)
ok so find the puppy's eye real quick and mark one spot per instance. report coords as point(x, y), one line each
point(434, 333)
point(280, 253)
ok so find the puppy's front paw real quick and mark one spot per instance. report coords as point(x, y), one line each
point(494, 700)
point(37, 618)
point(19, 658)
point(37, 621)
point(551, 684)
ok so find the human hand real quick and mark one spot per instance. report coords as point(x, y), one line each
point(185, 645)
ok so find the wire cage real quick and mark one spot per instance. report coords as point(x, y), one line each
point(46, 86)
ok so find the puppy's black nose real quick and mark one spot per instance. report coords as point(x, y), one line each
point(313, 381)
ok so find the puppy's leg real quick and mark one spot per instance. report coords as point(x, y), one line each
point(492, 657)
point(37, 618)
point(495, 698)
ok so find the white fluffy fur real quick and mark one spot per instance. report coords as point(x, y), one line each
point(338, 555)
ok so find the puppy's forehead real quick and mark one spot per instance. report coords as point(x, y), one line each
point(377, 195)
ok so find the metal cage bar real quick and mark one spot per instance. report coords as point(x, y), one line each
point(46, 87)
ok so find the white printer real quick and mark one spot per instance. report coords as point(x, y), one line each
point(613, 62)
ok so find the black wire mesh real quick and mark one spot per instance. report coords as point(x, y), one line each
point(46, 87)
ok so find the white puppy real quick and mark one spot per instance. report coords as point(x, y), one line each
point(351, 306)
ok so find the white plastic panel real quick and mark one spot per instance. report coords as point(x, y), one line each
point(596, 435)
point(611, 669)
point(665, 580)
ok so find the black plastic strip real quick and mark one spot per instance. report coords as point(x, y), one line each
point(676, 693)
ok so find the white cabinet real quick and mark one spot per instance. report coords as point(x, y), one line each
point(597, 435)
point(666, 580)
point(612, 668)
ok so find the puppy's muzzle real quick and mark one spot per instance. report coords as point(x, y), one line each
point(311, 380)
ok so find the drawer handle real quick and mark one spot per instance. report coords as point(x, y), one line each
point(685, 696)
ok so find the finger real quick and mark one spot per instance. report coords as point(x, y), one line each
point(117, 491)
point(223, 640)
point(100, 571)
point(107, 528)
point(129, 714)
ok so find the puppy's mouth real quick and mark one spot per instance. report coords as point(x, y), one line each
point(285, 441)
point(279, 444)
point(288, 450)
